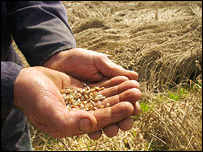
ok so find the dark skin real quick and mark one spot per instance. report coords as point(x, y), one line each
point(45, 108)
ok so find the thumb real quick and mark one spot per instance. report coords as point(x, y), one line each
point(80, 121)
point(64, 123)
point(110, 69)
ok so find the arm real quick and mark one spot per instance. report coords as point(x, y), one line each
point(40, 29)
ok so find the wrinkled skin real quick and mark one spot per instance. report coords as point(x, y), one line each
point(87, 65)
point(37, 94)
point(45, 107)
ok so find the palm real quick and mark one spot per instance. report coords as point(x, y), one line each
point(42, 98)
point(45, 107)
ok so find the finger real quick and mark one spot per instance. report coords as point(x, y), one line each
point(108, 92)
point(110, 69)
point(110, 82)
point(131, 95)
point(110, 115)
point(114, 81)
point(111, 130)
point(126, 124)
point(95, 135)
point(137, 108)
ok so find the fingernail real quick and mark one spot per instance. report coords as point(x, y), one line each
point(85, 125)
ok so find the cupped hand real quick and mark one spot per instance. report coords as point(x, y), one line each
point(87, 65)
point(37, 94)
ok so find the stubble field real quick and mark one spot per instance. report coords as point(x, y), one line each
point(162, 41)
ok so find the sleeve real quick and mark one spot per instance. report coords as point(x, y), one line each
point(40, 29)
point(9, 73)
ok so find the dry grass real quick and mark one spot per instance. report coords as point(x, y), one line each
point(175, 124)
point(162, 41)
point(167, 124)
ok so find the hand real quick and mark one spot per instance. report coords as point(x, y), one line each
point(87, 65)
point(36, 93)
point(119, 89)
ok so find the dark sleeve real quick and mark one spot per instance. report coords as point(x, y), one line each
point(9, 73)
point(40, 29)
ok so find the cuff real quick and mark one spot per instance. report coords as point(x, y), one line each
point(9, 73)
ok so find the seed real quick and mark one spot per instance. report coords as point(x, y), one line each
point(97, 88)
point(62, 91)
point(94, 108)
point(67, 91)
point(101, 106)
point(95, 99)
point(102, 98)
point(86, 109)
point(73, 106)
point(87, 92)
point(91, 97)
point(79, 95)
point(92, 102)
point(92, 90)
point(82, 98)
point(82, 106)
point(102, 88)
point(107, 104)
point(81, 91)
point(65, 98)
point(85, 99)
point(84, 102)
point(90, 94)
point(99, 95)
point(90, 106)
point(69, 109)
point(70, 101)
point(79, 104)
point(85, 96)
point(71, 97)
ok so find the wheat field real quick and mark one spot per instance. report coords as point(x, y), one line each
point(162, 41)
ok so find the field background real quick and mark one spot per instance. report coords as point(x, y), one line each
point(162, 41)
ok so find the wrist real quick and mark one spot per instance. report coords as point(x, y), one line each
point(21, 85)
point(52, 62)
point(17, 85)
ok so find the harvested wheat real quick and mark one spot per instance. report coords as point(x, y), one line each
point(85, 99)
